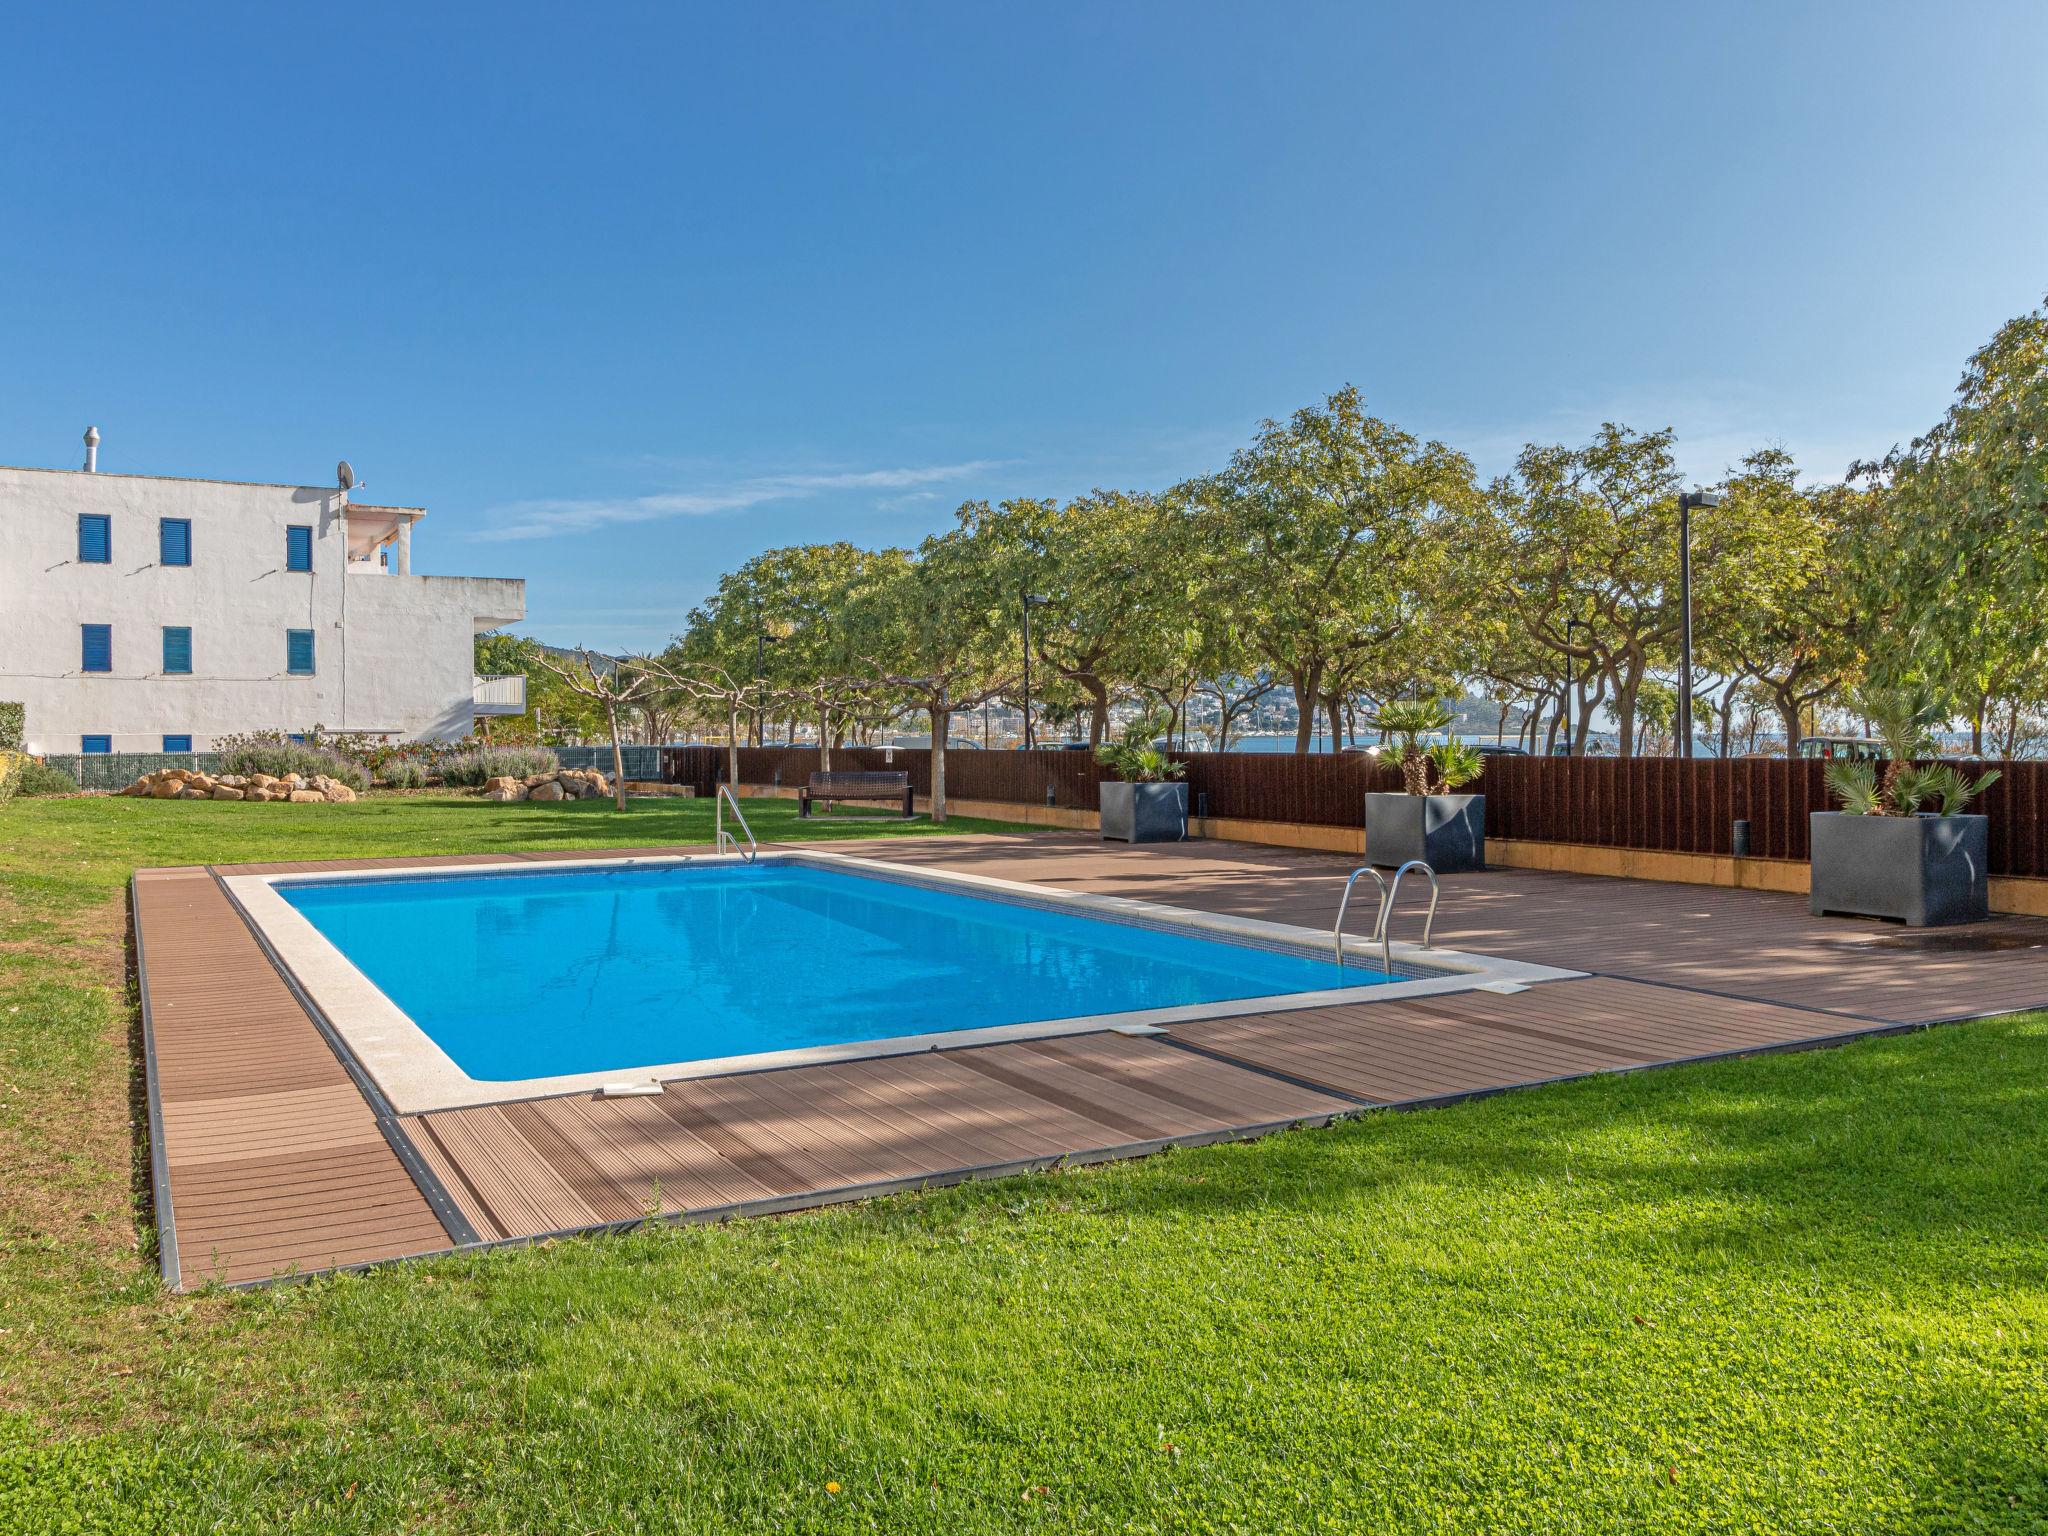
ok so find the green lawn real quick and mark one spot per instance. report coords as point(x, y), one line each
point(1804, 1292)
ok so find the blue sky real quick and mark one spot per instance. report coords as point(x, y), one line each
point(625, 295)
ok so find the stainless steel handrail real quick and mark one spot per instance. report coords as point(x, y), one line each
point(1337, 933)
point(725, 798)
point(1387, 911)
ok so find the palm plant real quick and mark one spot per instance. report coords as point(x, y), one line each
point(1134, 758)
point(1436, 770)
point(1904, 720)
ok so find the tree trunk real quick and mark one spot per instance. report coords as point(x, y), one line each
point(941, 718)
point(732, 744)
point(1098, 712)
point(1625, 715)
point(611, 718)
point(1332, 706)
point(824, 738)
point(1789, 711)
point(1306, 687)
point(1977, 730)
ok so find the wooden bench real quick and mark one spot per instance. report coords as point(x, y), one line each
point(855, 786)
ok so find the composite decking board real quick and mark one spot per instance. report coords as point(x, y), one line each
point(914, 1101)
point(649, 1156)
point(842, 1153)
point(935, 1090)
point(1762, 946)
point(1124, 1113)
point(517, 1189)
point(269, 1152)
point(429, 1150)
point(592, 1185)
point(1221, 1092)
point(276, 1164)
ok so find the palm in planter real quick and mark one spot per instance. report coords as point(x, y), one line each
point(1146, 803)
point(1902, 846)
point(1904, 721)
point(1428, 820)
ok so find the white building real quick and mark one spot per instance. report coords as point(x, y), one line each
point(143, 613)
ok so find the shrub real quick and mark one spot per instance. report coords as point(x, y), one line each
point(405, 773)
point(274, 753)
point(39, 778)
point(471, 768)
point(13, 719)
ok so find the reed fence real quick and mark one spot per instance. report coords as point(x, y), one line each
point(1662, 804)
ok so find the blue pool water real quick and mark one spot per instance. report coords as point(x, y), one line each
point(534, 975)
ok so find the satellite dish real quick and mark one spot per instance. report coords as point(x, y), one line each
point(345, 472)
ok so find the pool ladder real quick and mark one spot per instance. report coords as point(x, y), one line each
point(1388, 895)
point(725, 798)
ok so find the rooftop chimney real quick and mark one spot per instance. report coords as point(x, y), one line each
point(92, 450)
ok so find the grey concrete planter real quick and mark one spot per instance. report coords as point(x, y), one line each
point(1921, 870)
point(1447, 832)
point(1144, 813)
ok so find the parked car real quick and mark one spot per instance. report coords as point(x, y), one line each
point(1489, 749)
point(1854, 749)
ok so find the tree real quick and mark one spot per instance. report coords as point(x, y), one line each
point(552, 712)
point(614, 689)
point(1580, 546)
point(940, 635)
point(1085, 559)
point(1959, 553)
point(1316, 532)
point(1785, 612)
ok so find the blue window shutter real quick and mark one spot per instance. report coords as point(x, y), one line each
point(174, 541)
point(177, 743)
point(96, 647)
point(177, 648)
point(95, 538)
point(298, 548)
point(298, 651)
point(95, 744)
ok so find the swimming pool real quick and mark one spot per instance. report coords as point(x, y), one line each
point(540, 975)
point(482, 984)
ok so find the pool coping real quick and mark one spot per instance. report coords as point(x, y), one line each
point(415, 1076)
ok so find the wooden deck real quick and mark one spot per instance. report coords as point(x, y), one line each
point(273, 1156)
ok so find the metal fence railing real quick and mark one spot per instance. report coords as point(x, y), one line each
point(117, 770)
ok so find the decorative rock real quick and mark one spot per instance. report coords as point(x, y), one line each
point(504, 794)
point(547, 789)
point(166, 788)
point(189, 793)
point(226, 792)
point(337, 793)
point(307, 797)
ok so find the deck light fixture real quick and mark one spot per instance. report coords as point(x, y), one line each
point(1687, 502)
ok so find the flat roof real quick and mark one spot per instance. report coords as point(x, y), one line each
point(267, 485)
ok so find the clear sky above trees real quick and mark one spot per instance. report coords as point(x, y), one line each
point(673, 285)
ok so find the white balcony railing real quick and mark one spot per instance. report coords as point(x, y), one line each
point(499, 695)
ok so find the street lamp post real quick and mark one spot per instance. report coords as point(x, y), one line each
point(1687, 501)
point(1030, 601)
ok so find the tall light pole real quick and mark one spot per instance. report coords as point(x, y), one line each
point(1687, 501)
point(1030, 601)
